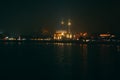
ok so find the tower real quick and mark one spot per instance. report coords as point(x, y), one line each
point(69, 25)
point(62, 25)
point(62, 22)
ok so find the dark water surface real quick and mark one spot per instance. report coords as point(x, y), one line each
point(59, 61)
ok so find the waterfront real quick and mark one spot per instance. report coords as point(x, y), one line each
point(59, 61)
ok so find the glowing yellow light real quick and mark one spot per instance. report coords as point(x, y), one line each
point(69, 23)
point(67, 35)
point(62, 34)
point(62, 22)
point(70, 36)
point(60, 37)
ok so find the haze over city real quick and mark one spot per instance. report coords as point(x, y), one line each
point(86, 16)
point(59, 40)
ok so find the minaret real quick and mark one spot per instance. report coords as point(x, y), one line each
point(69, 25)
point(62, 24)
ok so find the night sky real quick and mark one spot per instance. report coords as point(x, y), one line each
point(86, 15)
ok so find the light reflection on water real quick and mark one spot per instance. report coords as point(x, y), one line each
point(84, 60)
point(64, 61)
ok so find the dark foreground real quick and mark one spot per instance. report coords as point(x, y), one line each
point(59, 61)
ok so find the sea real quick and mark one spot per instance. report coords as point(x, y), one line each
point(59, 61)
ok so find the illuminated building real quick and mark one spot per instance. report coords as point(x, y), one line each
point(107, 35)
point(60, 34)
point(79, 35)
point(64, 32)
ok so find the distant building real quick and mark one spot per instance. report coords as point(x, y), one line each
point(60, 34)
point(80, 35)
point(64, 32)
point(107, 35)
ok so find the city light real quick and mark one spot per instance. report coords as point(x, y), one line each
point(69, 23)
point(64, 33)
point(62, 22)
point(104, 35)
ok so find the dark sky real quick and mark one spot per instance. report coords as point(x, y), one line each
point(86, 15)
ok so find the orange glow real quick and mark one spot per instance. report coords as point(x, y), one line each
point(104, 35)
point(85, 34)
point(62, 34)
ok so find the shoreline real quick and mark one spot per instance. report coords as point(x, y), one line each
point(60, 41)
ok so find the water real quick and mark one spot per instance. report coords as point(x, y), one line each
point(59, 61)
